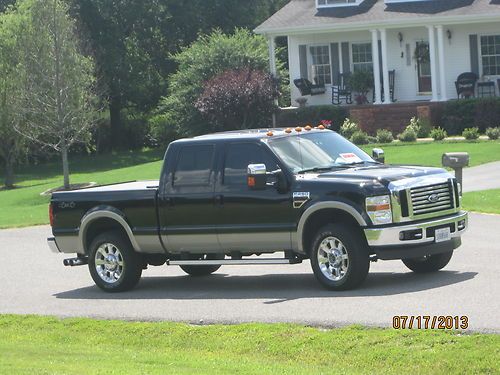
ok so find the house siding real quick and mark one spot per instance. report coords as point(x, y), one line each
point(456, 52)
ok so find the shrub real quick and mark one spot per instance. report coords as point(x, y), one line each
point(438, 134)
point(360, 138)
point(238, 99)
point(384, 136)
point(493, 133)
point(471, 134)
point(409, 135)
point(461, 114)
point(421, 127)
point(203, 60)
point(292, 117)
point(372, 139)
point(348, 128)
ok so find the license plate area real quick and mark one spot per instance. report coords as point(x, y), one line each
point(442, 235)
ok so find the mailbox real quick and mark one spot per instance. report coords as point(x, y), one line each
point(378, 155)
point(456, 161)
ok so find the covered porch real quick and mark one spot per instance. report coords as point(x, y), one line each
point(414, 64)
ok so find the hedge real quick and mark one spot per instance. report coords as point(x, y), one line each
point(459, 115)
point(291, 117)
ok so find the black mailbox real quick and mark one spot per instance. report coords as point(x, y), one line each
point(456, 161)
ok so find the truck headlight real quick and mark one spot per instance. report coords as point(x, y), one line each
point(379, 209)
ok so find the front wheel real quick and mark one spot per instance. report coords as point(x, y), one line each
point(113, 263)
point(340, 257)
point(429, 263)
point(203, 270)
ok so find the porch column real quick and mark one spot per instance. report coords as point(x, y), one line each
point(376, 67)
point(385, 67)
point(432, 54)
point(442, 72)
point(272, 68)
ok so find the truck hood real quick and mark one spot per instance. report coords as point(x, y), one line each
point(384, 174)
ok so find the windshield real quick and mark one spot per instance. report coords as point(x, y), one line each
point(318, 151)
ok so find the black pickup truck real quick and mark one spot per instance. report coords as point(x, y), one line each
point(236, 197)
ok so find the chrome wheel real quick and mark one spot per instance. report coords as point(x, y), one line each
point(109, 263)
point(333, 259)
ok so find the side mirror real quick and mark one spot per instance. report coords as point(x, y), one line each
point(378, 155)
point(256, 176)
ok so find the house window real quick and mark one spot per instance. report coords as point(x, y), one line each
point(490, 54)
point(362, 57)
point(320, 65)
point(326, 3)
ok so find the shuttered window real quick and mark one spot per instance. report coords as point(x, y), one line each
point(320, 65)
point(362, 59)
point(490, 55)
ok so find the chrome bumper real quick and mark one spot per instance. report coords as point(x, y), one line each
point(51, 241)
point(390, 236)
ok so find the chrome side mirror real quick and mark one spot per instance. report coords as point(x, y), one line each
point(378, 155)
point(256, 176)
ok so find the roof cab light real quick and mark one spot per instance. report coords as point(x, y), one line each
point(379, 209)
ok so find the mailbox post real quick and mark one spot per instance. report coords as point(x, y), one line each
point(457, 161)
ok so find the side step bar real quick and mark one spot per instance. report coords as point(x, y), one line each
point(234, 262)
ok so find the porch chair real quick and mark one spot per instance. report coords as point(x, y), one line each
point(306, 87)
point(342, 90)
point(392, 82)
point(466, 85)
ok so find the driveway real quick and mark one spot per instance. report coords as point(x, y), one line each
point(482, 177)
point(34, 281)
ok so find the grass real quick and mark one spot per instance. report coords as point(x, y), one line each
point(41, 345)
point(487, 201)
point(25, 207)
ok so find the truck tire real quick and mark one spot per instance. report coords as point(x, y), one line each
point(203, 270)
point(113, 263)
point(430, 263)
point(340, 257)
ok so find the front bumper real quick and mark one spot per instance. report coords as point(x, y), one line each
point(51, 241)
point(392, 236)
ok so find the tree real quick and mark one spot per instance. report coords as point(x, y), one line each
point(12, 145)
point(59, 105)
point(207, 57)
point(238, 99)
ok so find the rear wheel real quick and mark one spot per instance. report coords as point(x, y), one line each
point(203, 270)
point(340, 257)
point(429, 263)
point(113, 263)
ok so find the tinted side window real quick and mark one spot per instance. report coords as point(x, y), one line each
point(238, 156)
point(194, 165)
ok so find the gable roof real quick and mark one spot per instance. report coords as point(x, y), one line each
point(302, 15)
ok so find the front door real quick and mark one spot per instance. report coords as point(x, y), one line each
point(260, 220)
point(186, 202)
point(422, 56)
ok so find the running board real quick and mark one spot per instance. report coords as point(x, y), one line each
point(234, 262)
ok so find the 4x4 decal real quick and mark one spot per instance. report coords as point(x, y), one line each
point(300, 198)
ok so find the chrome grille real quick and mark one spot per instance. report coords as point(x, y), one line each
point(431, 198)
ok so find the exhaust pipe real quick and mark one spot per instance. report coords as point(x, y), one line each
point(73, 262)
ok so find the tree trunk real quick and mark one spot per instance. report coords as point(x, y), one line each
point(115, 108)
point(9, 173)
point(64, 153)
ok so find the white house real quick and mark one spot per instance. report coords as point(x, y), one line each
point(329, 37)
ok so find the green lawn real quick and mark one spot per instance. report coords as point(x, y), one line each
point(24, 206)
point(487, 201)
point(39, 345)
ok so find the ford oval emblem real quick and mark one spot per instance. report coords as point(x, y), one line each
point(433, 198)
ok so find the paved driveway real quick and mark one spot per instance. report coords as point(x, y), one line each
point(34, 281)
point(482, 177)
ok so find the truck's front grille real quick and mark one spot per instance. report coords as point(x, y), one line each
point(431, 198)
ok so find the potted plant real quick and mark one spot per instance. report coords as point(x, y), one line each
point(361, 82)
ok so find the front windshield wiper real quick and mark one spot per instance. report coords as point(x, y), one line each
point(317, 169)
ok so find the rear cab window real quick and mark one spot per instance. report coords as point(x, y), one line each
point(194, 166)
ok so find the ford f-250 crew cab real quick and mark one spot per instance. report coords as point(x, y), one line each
point(227, 198)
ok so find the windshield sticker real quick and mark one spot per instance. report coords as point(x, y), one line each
point(350, 158)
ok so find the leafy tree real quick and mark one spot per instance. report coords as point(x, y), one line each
point(59, 105)
point(12, 146)
point(238, 99)
point(134, 41)
point(207, 57)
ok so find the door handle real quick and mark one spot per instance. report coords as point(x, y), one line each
point(169, 201)
point(219, 200)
